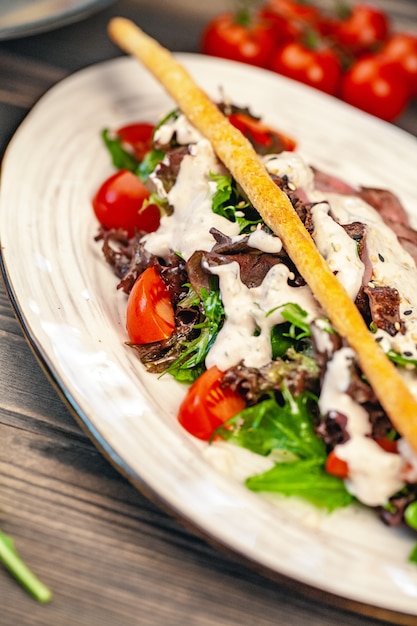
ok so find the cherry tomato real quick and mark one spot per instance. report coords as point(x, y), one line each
point(373, 85)
point(365, 27)
point(149, 314)
point(118, 204)
point(336, 466)
point(208, 404)
point(230, 37)
point(261, 134)
point(401, 50)
point(319, 68)
point(137, 137)
point(290, 19)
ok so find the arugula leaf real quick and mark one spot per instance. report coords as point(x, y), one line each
point(305, 478)
point(190, 364)
point(10, 559)
point(269, 425)
point(288, 426)
point(297, 316)
point(287, 335)
point(229, 203)
point(281, 342)
point(121, 159)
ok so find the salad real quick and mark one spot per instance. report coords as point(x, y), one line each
point(214, 301)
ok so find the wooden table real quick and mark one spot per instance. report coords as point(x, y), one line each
point(110, 555)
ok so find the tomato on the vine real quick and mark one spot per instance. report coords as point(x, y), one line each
point(401, 50)
point(239, 38)
point(319, 68)
point(137, 137)
point(365, 27)
point(373, 85)
point(149, 314)
point(266, 138)
point(291, 19)
point(119, 203)
point(208, 404)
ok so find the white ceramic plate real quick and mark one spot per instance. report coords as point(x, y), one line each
point(65, 296)
point(19, 18)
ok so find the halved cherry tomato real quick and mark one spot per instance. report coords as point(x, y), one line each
point(363, 30)
point(118, 204)
point(149, 314)
point(137, 137)
point(261, 134)
point(336, 466)
point(373, 85)
point(319, 68)
point(401, 50)
point(208, 404)
point(232, 36)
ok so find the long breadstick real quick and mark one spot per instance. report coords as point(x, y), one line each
point(276, 210)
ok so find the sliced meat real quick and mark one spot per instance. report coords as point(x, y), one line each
point(331, 184)
point(386, 203)
point(384, 304)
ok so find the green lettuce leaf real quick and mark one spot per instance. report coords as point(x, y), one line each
point(268, 425)
point(305, 478)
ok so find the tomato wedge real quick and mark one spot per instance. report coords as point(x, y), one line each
point(149, 315)
point(261, 134)
point(208, 404)
point(137, 137)
point(336, 466)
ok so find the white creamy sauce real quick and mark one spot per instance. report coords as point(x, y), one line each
point(375, 475)
point(293, 166)
point(339, 250)
point(185, 133)
point(391, 265)
point(334, 396)
point(264, 241)
point(256, 309)
point(188, 227)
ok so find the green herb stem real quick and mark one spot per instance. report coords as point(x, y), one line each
point(16, 566)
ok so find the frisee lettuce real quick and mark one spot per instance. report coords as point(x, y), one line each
point(190, 364)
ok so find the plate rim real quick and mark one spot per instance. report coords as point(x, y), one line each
point(62, 17)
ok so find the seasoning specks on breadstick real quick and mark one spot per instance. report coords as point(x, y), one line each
point(276, 210)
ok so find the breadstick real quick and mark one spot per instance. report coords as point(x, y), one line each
point(275, 208)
